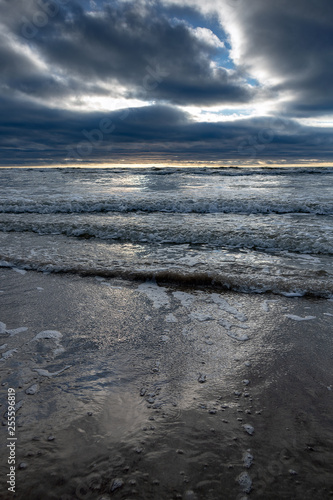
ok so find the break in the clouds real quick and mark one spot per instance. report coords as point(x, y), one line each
point(229, 79)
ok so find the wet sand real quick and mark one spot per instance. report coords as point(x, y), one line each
point(153, 392)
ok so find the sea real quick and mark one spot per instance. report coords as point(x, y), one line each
point(252, 230)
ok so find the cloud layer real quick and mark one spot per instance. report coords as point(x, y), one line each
point(226, 79)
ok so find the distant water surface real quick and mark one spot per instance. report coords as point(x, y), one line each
point(245, 229)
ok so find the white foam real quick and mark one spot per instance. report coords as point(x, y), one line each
point(239, 337)
point(3, 346)
point(170, 318)
point(46, 373)
point(165, 338)
point(201, 317)
point(328, 314)
point(51, 335)
point(156, 294)
point(40, 289)
point(8, 354)
point(299, 318)
point(185, 299)
point(20, 271)
point(225, 323)
point(225, 306)
point(59, 350)
point(2, 327)
point(265, 306)
point(16, 331)
point(48, 334)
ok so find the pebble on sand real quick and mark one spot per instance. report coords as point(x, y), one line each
point(202, 378)
point(247, 459)
point(32, 390)
point(248, 428)
point(245, 482)
point(116, 484)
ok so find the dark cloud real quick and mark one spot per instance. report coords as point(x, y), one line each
point(293, 42)
point(150, 50)
point(122, 43)
point(36, 134)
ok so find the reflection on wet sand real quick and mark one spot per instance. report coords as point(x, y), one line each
point(167, 393)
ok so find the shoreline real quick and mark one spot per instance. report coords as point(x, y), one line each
point(157, 379)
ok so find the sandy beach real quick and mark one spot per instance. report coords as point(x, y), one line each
point(143, 391)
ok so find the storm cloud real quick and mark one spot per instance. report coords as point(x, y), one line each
point(97, 81)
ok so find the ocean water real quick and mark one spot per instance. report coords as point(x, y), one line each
point(246, 229)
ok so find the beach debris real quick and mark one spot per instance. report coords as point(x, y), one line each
point(246, 382)
point(248, 428)
point(51, 438)
point(299, 318)
point(245, 482)
point(142, 391)
point(32, 390)
point(46, 373)
point(23, 465)
point(165, 338)
point(248, 363)
point(40, 289)
point(247, 459)
point(293, 472)
point(202, 378)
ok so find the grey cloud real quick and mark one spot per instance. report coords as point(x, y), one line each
point(124, 43)
point(35, 134)
point(293, 41)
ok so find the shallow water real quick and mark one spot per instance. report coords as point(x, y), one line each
point(253, 230)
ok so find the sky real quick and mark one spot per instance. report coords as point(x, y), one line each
point(216, 81)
